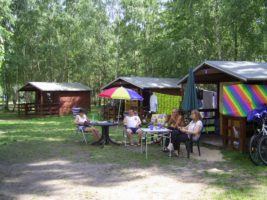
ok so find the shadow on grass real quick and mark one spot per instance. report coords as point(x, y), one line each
point(37, 156)
point(33, 167)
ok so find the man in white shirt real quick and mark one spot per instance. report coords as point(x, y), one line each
point(153, 102)
point(133, 123)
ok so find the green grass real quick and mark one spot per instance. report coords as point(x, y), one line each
point(25, 140)
point(38, 139)
point(240, 179)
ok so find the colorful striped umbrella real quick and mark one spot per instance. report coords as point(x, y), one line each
point(121, 93)
point(240, 99)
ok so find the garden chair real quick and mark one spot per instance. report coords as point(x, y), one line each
point(189, 145)
point(124, 131)
point(196, 142)
point(79, 130)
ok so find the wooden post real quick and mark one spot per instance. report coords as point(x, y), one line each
point(58, 96)
point(182, 95)
point(36, 102)
point(139, 102)
point(41, 102)
point(243, 135)
point(224, 129)
point(217, 113)
point(18, 103)
point(218, 97)
point(90, 95)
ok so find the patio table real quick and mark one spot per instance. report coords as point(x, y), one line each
point(105, 138)
point(164, 132)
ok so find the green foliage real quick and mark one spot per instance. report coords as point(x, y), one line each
point(93, 42)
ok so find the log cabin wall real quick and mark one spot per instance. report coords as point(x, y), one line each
point(68, 100)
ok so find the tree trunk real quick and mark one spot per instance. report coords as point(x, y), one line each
point(235, 42)
point(217, 31)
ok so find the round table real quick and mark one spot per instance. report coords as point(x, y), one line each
point(105, 139)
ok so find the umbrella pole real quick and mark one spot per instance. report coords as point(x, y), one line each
point(119, 112)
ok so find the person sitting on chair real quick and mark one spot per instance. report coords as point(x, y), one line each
point(173, 119)
point(193, 129)
point(180, 122)
point(83, 122)
point(132, 123)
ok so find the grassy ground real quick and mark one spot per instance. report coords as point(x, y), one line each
point(40, 139)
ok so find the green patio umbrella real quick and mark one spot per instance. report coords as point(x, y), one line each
point(190, 101)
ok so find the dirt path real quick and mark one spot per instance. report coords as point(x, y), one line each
point(65, 180)
point(62, 179)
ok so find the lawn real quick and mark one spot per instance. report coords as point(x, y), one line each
point(43, 158)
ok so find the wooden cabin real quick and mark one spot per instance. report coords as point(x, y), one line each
point(51, 98)
point(223, 73)
point(143, 85)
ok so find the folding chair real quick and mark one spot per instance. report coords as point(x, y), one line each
point(80, 130)
point(124, 131)
point(75, 112)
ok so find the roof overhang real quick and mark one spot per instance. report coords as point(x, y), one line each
point(206, 73)
point(29, 87)
point(34, 86)
point(120, 81)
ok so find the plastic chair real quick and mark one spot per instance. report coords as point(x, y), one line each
point(196, 142)
point(189, 145)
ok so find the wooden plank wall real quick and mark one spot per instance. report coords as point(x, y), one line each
point(68, 100)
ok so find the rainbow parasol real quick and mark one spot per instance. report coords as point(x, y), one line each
point(121, 93)
point(240, 99)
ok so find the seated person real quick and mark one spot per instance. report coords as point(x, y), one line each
point(180, 122)
point(173, 119)
point(132, 123)
point(193, 129)
point(83, 122)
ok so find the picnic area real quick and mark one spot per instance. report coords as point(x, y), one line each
point(133, 99)
point(42, 158)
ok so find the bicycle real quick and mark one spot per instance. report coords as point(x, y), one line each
point(258, 142)
point(262, 146)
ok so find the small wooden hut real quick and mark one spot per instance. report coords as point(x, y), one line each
point(51, 98)
point(143, 85)
point(223, 73)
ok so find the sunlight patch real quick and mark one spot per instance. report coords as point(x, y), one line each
point(53, 162)
point(216, 171)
